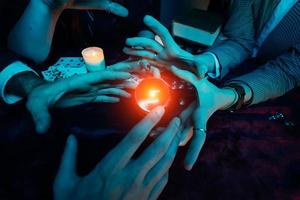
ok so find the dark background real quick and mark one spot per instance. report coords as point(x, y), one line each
point(246, 156)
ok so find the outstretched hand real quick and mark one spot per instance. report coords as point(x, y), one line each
point(88, 88)
point(210, 99)
point(169, 52)
point(118, 175)
point(150, 49)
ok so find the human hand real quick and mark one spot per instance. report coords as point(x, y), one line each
point(106, 5)
point(118, 175)
point(210, 99)
point(147, 48)
point(136, 66)
point(187, 126)
point(88, 88)
point(168, 53)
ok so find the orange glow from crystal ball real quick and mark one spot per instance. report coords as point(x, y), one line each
point(152, 92)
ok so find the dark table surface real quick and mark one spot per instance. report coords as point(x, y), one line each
point(246, 156)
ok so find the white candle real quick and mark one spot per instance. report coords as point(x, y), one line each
point(94, 59)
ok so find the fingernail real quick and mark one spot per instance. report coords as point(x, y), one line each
point(159, 110)
point(177, 122)
point(40, 129)
point(173, 68)
point(71, 140)
point(146, 18)
point(188, 168)
point(153, 134)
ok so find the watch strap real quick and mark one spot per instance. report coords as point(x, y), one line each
point(241, 95)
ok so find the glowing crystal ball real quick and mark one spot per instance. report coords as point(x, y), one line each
point(152, 92)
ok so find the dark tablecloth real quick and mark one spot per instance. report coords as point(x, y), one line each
point(246, 155)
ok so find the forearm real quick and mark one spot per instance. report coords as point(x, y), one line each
point(230, 54)
point(32, 35)
point(23, 83)
point(274, 79)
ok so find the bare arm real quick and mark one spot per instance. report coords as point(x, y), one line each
point(32, 35)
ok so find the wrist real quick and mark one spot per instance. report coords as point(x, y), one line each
point(23, 83)
point(230, 97)
point(206, 59)
point(245, 90)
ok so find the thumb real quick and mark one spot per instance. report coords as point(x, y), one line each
point(40, 115)
point(202, 71)
point(68, 162)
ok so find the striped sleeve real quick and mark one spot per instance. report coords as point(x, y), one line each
point(11, 65)
point(239, 32)
point(276, 78)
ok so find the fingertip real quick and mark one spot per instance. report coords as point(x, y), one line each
point(161, 110)
point(71, 140)
point(131, 40)
point(42, 128)
point(147, 19)
point(155, 71)
point(157, 75)
point(125, 50)
point(188, 167)
point(177, 122)
point(158, 111)
point(126, 12)
point(114, 100)
point(128, 41)
point(127, 95)
point(119, 10)
point(174, 69)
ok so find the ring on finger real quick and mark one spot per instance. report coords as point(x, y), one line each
point(201, 130)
